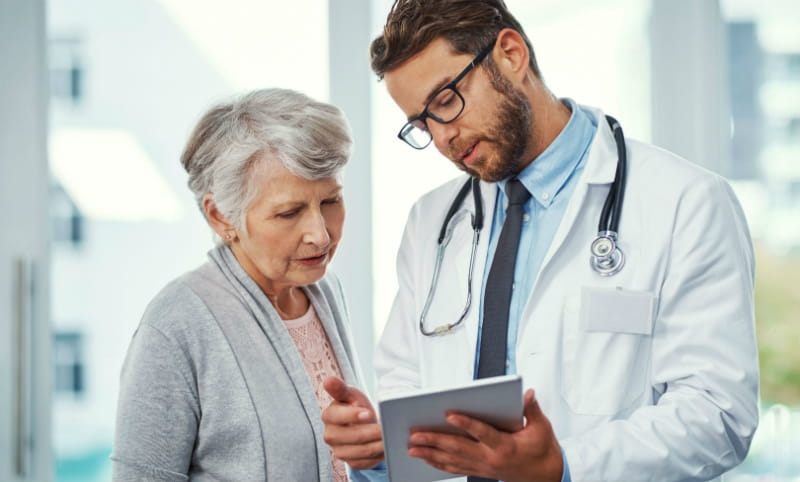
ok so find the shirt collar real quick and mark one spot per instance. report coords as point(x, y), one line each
point(546, 176)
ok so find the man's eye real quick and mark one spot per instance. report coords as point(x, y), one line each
point(420, 125)
point(333, 200)
point(445, 98)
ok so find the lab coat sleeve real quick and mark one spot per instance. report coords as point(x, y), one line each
point(704, 358)
point(397, 356)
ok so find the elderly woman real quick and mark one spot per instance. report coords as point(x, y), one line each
point(222, 380)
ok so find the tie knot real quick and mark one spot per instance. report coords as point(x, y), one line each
point(516, 192)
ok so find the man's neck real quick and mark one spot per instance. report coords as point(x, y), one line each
point(549, 117)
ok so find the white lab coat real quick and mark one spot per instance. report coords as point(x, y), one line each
point(668, 393)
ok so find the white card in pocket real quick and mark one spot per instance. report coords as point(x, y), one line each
point(617, 310)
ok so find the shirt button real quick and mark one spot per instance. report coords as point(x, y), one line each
point(545, 196)
point(526, 218)
point(508, 363)
point(513, 286)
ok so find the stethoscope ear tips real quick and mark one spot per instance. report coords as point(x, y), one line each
point(607, 259)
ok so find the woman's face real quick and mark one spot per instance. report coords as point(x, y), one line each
point(293, 228)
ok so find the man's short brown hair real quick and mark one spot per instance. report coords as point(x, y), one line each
point(469, 26)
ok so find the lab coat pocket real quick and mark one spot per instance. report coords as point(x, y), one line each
point(606, 349)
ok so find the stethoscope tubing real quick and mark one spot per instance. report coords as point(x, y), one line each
point(612, 208)
point(608, 231)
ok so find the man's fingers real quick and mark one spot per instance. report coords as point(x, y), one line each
point(362, 452)
point(339, 413)
point(361, 446)
point(337, 388)
point(480, 431)
point(459, 445)
point(442, 460)
point(351, 428)
point(342, 392)
point(351, 434)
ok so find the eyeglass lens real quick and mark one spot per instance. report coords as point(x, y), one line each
point(444, 108)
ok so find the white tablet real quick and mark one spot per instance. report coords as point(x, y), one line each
point(496, 400)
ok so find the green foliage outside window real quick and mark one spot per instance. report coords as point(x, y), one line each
point(778, 326)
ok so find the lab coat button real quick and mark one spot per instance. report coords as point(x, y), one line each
point(526, 218)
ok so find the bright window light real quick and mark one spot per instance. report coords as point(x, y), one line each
point(110, 176)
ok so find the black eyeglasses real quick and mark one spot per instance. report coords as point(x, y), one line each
point(444, 107)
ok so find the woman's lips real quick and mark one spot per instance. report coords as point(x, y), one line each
point(314, 260)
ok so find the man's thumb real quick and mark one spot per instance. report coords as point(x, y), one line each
point(531, 406)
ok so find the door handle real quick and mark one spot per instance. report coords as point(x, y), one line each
point(23, 316)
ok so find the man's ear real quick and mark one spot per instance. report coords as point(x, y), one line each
point(511, 54)
point(218, 223)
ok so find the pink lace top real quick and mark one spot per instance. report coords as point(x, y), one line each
point(320, 362)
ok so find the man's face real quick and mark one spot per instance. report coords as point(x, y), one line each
point(491, 136)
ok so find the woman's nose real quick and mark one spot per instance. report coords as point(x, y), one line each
point(317, 230)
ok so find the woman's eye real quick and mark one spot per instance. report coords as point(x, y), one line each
point(333, 200)
point(289, 214)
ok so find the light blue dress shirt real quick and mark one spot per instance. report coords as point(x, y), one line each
point(551, 179)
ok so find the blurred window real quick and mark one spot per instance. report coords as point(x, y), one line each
point(66, 220)
point(68, 357)
point(66, 69)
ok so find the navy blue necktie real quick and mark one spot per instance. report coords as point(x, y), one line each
point(497, 295)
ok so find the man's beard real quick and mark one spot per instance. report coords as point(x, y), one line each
point(511, 132)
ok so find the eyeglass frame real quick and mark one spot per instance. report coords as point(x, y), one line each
point(424, 115)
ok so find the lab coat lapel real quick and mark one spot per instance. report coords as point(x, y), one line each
point(600, 169)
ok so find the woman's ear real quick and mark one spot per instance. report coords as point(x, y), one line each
point(511, 54)
point(218, 223)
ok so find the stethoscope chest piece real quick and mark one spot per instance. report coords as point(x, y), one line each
point(607, 259)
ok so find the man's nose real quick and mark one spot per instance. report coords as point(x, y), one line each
point(442, 134)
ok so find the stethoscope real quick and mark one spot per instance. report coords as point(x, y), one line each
point(607, 259)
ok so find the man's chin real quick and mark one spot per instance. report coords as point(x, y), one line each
point(483, 173)
point(475, 170)
point(489, 177)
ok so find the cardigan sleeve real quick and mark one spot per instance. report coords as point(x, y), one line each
point(158, 410)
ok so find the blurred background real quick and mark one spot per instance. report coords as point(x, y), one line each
point(717, 81)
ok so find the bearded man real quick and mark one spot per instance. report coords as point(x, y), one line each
point(641, 350)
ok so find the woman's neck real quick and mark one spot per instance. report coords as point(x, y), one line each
point(290, 303)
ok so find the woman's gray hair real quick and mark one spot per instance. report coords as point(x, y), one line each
point(311, 139)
